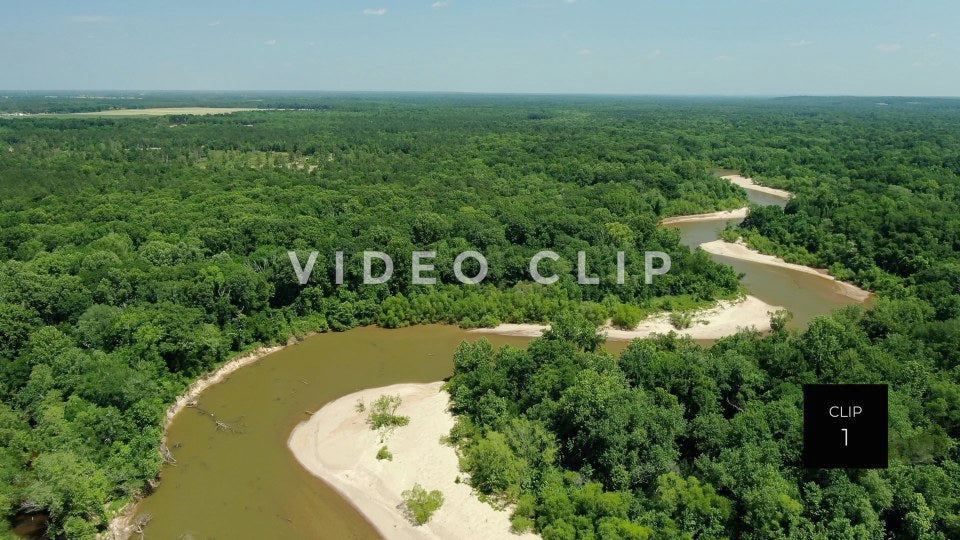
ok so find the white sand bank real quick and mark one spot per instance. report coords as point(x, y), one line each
point(722, 320)
point(749, 185)
point(722, 215)
point(739, 213)
point(740, 251)
point(337, 445)
point(725, 319)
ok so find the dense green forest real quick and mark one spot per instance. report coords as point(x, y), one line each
point(674, 440)
point(139, 253)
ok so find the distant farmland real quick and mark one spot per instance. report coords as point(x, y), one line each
point(160, 111)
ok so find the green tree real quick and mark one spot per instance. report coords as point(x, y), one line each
point(421, 504)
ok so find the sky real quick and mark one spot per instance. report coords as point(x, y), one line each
point(717, 47)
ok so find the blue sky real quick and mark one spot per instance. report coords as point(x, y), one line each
point(736, 47)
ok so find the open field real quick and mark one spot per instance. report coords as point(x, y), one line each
point(162, 111)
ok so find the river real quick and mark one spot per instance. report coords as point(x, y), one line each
point(245, 483)
point(803, 294)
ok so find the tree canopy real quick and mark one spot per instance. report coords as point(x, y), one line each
point(137, 253)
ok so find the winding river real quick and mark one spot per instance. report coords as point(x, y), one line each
point(804, 294)
point(244, 482)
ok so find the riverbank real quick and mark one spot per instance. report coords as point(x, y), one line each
point(124, 524)
point(749, 185)
point(337, 445)
point(725, 319)
point(721, 215)
point(739, 250)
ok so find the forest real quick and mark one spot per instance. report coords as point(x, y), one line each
point(674, 440)
point(137, 254)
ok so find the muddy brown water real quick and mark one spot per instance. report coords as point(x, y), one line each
point(246, 483)
point(805, 295)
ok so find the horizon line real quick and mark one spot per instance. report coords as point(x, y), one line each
point(477, 93)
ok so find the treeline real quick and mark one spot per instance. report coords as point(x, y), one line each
point(882, 235)
point(673, 440)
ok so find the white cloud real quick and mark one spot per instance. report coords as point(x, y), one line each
point(89, 18)
point(270, 42)
point(214, 23)
point(934, 35)
point(583, 52)
point(801, 43)
point(440, 4)
point(653, 54)
point(723, 58)
point(889, 47)
point(569, 1)
point(375, 11)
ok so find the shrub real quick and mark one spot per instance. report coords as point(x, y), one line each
point(780, 319)
point(626, 316)
point(493, 467)
point(488, 321)
point(522, 519)
point(730, 235)
point(383, 453)
point(681, 319)
point(520, 524)
point(383, 413)
point(421, 504)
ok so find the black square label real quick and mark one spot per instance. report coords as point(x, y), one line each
point(845, 426)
